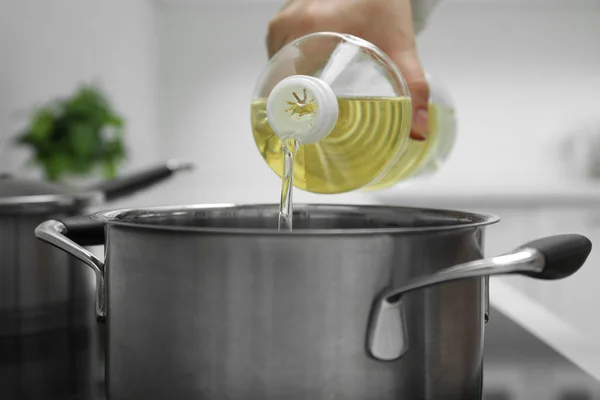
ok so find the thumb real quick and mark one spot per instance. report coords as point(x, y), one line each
point(410, 67)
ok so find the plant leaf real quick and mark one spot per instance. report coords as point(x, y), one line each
point(69, 136)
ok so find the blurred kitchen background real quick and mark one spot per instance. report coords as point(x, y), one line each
point(524, 75)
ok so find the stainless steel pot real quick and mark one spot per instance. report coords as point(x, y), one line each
point(358, 302)
point(47, 339)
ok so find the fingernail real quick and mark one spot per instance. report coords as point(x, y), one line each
point(421, 122)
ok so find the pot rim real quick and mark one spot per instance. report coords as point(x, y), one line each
point(48, 203)
point(116, 218)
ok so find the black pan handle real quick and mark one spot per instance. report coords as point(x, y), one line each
point(83, 230)
point(563, 255)
point(132, 183)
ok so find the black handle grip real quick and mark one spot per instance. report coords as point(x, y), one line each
point(84, 230)
point(129, 184)
point(563, 254)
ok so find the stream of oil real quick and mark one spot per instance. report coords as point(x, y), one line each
point(286, 209)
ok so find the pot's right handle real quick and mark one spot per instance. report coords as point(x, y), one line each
point(86, 232)
point(553, 257)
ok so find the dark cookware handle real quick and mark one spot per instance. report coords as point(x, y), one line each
point(554, 257)
point(83, 230)
point(70, 235)
point(131, 183)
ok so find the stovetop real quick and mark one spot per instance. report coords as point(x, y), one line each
point(517, 366)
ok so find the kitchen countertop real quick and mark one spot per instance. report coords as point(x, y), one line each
point(505, 195)
point(441, 194)
point(520, 366)
point(576, 346)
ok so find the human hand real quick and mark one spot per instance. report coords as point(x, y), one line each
point(385, 23)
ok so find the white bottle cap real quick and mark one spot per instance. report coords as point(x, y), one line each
point(302, 107)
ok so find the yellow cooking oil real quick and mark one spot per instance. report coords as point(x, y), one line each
point(372, 129)
point(422, 156)
point(369, 140)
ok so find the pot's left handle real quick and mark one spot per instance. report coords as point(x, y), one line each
point(550, 258)
point(70, 235)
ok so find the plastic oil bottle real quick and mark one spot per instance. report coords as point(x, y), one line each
point(331, 113)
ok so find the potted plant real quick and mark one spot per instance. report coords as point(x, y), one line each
point(76, 136)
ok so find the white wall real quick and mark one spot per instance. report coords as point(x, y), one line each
point(520, 77)
point(210, 59)
point(48, 47)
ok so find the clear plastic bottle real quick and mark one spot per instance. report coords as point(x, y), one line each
point(349, 109)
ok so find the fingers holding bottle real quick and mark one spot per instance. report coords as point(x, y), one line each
point(388, 24)
point(410, 67)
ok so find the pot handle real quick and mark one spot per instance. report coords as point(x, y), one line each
point(86, 232)
point(550, 258)
point(131, 183)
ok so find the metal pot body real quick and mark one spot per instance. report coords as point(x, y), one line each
point(195, 315)
point(48, 334)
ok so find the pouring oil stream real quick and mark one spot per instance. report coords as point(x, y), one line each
point(292, 113)
point(290, 148)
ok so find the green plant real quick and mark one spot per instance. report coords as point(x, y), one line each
point(76, 135)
